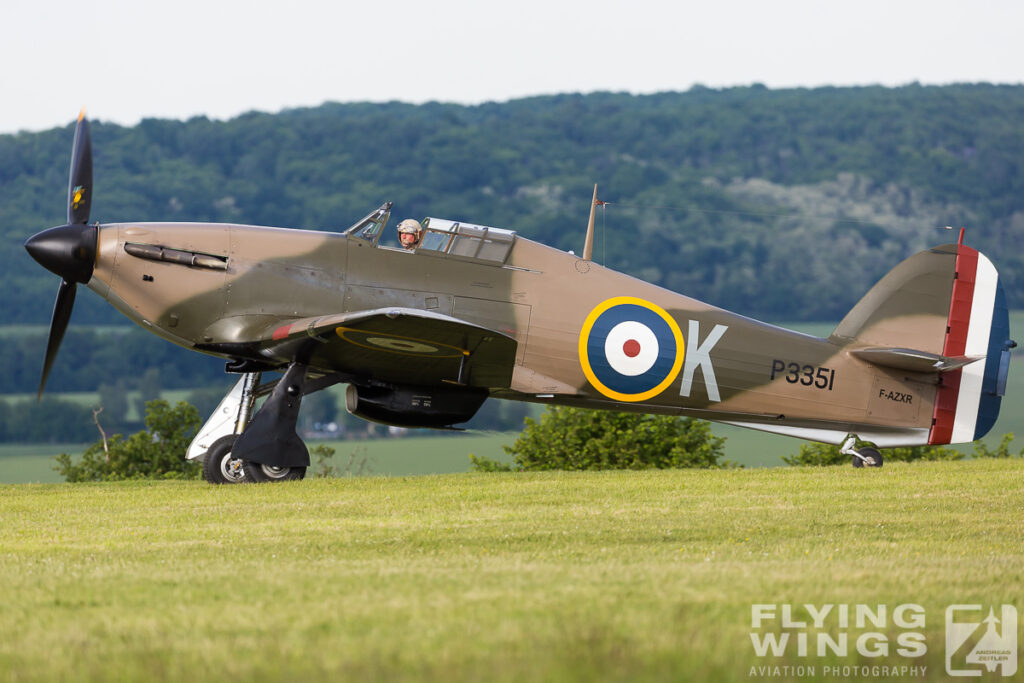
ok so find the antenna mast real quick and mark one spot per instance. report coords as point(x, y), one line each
point(588, 245)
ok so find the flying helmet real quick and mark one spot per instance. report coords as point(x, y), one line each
point(410, 225)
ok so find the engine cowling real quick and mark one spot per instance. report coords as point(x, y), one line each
point(406, 406)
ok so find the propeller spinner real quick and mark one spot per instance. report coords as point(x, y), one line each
point(68, 250)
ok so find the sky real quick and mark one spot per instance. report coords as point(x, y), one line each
point(128, 60)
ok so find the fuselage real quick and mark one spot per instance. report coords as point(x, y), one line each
point(586, 335)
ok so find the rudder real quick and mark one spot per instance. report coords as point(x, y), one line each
point(968, 400)
point(947, 303)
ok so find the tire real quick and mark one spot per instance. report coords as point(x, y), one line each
point(872, 453)
point(218, 467)
point(266, 473)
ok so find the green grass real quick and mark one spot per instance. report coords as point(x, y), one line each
point(500, 577)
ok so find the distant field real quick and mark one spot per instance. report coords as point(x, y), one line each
point(21, 330)
point(446, 454)
point(823, 329)
point(23, 463)
point(393, 457)
point(450, 454)
point(92, 398)
point(571, 576)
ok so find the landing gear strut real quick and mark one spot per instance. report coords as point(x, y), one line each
point(239, 447)
point(270, 448)
point(862, 457)
point(214, 444)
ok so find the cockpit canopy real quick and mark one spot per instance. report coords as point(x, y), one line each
point(441, 237)
point(370, 227)
point(465, 240)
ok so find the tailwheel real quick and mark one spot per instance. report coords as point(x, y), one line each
point(867, 457)
point(218, 465)
point(259, 473)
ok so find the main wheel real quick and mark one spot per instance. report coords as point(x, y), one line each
point(872, 458)
point(218, 465)
point(873, 455)
point(258, 473)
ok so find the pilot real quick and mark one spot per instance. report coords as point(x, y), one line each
point(409, 233)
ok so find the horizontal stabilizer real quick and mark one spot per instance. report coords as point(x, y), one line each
point(912, 360)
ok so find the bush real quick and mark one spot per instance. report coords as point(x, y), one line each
point(323, 457)
point(578, 439)
point(158, 452)
point(1001, 451)
point(817, 454)
point(481, 463)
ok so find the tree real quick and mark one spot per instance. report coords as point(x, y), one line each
point(158, 452)
point(149, 385)
point(743, 163)
point(578, 439)
point(149, 388)
point(319, 409)
point(114, 400)
point(206, 399)
point(500, 415)
point(51, 420)
point(5, 413)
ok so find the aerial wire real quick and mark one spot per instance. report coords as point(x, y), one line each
point(604, 237)
point(736, 212)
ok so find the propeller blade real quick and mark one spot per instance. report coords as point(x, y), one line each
point(80, 179)
point(58, 325)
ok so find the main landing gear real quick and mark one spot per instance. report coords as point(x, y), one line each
point(237, 446)
point(862, 457)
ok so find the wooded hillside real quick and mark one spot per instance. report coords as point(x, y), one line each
point(782, 204)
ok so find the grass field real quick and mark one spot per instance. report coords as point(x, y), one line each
point(547, 576)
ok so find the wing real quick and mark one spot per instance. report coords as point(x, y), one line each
point(400, 345)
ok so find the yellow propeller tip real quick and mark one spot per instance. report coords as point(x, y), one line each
point(81, 114)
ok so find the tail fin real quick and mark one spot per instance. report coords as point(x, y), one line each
point(945, 306)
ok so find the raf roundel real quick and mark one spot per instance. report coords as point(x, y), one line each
point(630, 349)
point(393, 343)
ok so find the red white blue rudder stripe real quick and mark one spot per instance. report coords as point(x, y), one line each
point(967, 401)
